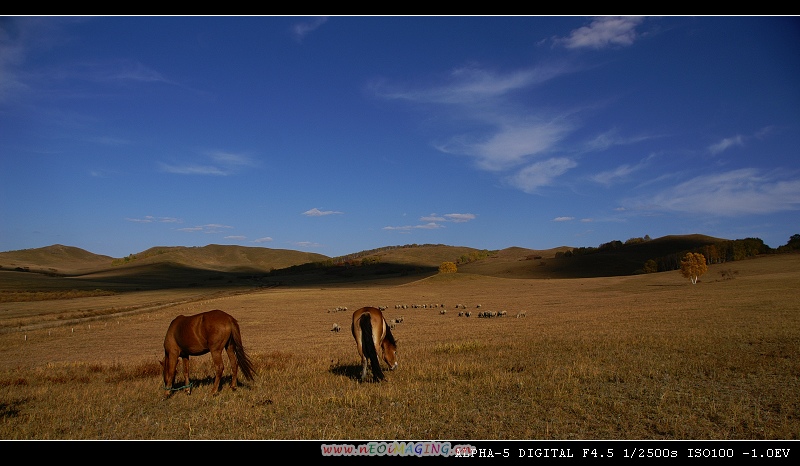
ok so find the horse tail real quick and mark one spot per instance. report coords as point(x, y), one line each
point(245, 364)
point(368, 345)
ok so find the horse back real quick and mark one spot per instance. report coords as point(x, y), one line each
point(376, 323)
point(200, 333)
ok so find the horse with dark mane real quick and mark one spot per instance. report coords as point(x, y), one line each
point(371, 332)
point(196, 335)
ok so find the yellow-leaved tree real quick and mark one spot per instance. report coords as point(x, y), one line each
point(693, 265)
point(448, 267)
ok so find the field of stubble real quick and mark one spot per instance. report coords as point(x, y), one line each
point(641, 357)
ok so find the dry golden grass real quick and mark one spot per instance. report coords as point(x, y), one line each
point(639, 357)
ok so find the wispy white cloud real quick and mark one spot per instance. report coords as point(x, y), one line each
point(222, 164)
point(739, 140)
point(460, 218)
point(229, 159)
point(12, 54)
point(739, 192)
point(612, 138)
point(471, 85)
point(192, 169)
point(208, 228)
point(725, 144)
point(319, 213)
point(265, 239)
point(22, 38)
point(426, 226)
point(108, 141)
point(434, 221)
point(764, 132)
point(152, 219)
point(505, 134)
point(301, 30)
point(101, 172)
point(620, 173)
point(602, 32)
point(236, 237)
point(563, 219)
point(540, 174)
point(607, 178)
point(117, 70)
point(456, 218)
point(510, 144)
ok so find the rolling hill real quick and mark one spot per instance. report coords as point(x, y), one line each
point(219, 265)
point(56, 259)
point(233, 259)
point(155, 268)
point(611, 259)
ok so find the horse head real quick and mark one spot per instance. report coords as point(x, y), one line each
point(389, 346)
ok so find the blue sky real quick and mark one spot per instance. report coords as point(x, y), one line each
point(340, 134)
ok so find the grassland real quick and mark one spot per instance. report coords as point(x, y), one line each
point(634, 357)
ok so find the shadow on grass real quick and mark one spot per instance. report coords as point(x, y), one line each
point(206, 382)
point(351, 371)
point(12, 409)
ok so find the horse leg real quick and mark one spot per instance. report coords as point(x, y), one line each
point(186, 374)
point(217, 357)
point(170, 368)
point(364, 363)
point(234, 366)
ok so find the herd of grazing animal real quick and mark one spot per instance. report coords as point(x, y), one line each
point(216, 331)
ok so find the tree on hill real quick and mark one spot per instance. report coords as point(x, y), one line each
point(693, 265)
point(448, 267)
point(792, 245)
point(650, 266)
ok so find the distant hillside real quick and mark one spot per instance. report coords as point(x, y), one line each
point(155, 268)
point(67, 260)
point(55, 259)
point(222, 258)
point(612, 259)
point(218, 265)
point(392, 262)
point(515, 262)
point(420, 255)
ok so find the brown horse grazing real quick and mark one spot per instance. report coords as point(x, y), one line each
point(372, 332)
point(207, 332)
